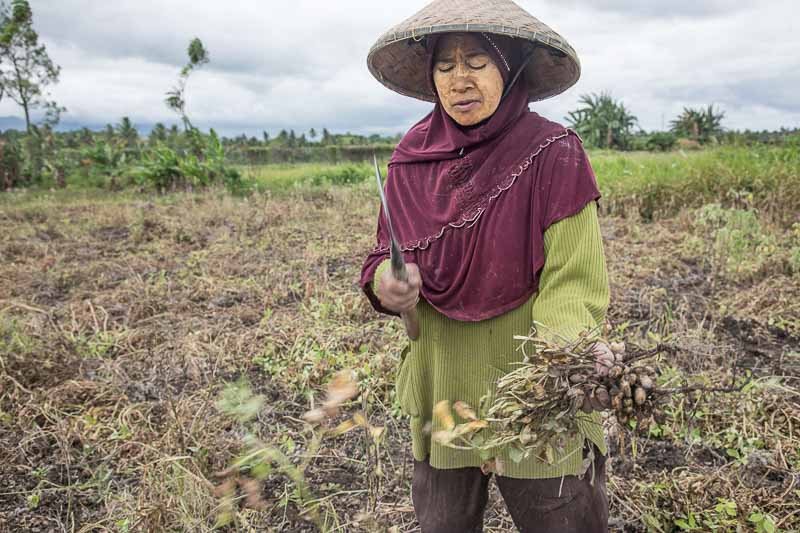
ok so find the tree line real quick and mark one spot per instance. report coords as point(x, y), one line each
point(604, 122)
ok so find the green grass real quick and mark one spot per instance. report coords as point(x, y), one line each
point(656, 184)
point(283, 177)
point(651, 185)
point(641, 184)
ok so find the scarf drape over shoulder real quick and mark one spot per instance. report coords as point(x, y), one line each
point(470, 205)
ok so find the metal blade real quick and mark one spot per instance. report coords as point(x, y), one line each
point(395, 254)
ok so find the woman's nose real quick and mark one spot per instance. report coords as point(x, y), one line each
point(462, 82)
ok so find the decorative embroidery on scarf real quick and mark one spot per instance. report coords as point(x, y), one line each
point(476, 207)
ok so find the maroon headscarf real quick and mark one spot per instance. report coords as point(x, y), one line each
point(470, 204)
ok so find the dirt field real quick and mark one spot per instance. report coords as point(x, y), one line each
point(122, 318)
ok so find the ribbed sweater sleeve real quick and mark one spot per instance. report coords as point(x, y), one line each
point(573, 284)
point(383, 266)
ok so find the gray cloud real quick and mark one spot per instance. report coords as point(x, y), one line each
point(301, 64)
point(659, 9)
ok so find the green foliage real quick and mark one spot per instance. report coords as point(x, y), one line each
point(25, 67)
point(176, 97)
point(654, 185)
point(722, 517)
point(603, 122)
point(198, 55)
point(794, 258)
point(763, 522)
point(291, 177)
point(38, 144)
point(23, 157)
point(162, 168)
point(702, 125)
point(127, 132)
point(158, 134)
point(740, 246)
point(661, 141)
point(59, 166)
point(276, 153)
point(11, 161)
point(260, 461)
point(340, 175)
point(166, 169)
point(102, 163)
point(781, 137)
point(238, 401)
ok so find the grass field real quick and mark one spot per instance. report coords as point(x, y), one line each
point(652, 184)
point(125, 317)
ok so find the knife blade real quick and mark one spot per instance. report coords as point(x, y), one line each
point(398, 264)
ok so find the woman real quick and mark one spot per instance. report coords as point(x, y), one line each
point(495, 210)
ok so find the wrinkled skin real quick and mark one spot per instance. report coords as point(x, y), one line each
point(399, 296)
point(604, 360)
point(467, 80)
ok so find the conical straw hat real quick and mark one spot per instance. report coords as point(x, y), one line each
point(398, 58)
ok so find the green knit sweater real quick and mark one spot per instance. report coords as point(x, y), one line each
point(454, 360)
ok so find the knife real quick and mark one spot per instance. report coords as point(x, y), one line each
point(398, 264)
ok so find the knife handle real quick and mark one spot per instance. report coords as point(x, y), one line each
point(410, 318)
point(411, 321)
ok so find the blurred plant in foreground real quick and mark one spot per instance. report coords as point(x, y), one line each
point(260, 460)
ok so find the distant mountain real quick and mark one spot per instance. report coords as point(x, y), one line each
point(12, 123)
point(17, 123)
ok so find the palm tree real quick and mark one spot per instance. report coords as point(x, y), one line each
point(602, 121)
point(701, 125)
point(158, 133)
point(127, 132)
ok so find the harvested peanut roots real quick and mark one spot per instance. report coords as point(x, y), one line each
point(537, 405)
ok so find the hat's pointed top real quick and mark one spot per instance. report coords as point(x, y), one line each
point(399, 59)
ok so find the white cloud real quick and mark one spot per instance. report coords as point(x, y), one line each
point(302, 63)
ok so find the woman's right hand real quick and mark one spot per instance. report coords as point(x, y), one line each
point(399, 296)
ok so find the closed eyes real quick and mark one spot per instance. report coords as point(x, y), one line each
point(474, 64)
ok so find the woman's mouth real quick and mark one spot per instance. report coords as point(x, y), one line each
point(466, 106)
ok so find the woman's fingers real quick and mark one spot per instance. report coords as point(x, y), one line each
point(401, 303)
point(393, 289)
point(400, 296)
point(604, 358)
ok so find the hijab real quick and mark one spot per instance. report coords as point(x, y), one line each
point(470, 205)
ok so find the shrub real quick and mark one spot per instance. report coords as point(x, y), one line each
point(340, 175)
point(656, 184)
point(10, 163)
point(166, 169)
point(740, 245)
point(661, 141)
point(101, 164)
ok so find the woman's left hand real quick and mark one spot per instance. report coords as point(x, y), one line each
point(604, 358)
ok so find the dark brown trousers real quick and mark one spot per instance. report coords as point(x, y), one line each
point(454, 500)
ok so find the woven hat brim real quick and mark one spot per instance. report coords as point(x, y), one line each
point(399, 60)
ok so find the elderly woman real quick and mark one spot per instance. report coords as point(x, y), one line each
point(495, 211)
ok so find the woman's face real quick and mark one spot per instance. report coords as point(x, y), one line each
point(468, 82)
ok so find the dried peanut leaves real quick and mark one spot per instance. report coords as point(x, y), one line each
point(536, 406)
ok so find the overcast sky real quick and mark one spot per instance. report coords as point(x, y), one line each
point(302, 63)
